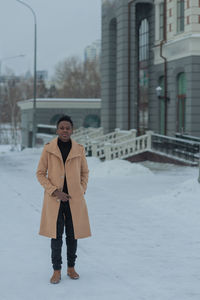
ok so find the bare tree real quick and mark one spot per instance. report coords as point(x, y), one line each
point(12, 96)
point(92, 86)
point(12, 90)
point(77, 79)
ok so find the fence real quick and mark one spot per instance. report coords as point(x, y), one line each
point(176, 147)
point(124, 143)
point(124, 149)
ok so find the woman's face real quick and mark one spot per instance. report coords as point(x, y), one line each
point(64, 130)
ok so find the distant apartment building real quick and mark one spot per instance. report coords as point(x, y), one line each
point(93, 51)
point(42, 75)
point(151, 65)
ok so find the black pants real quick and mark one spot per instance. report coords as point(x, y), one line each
point(64, 220)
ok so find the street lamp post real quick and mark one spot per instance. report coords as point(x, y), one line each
point(35, 73)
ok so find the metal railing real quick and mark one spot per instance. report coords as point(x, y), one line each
point(124, 143)
point(176, 147)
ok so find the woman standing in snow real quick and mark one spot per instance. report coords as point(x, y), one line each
point(63, 172)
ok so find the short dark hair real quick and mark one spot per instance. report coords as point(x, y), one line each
point(65, 118)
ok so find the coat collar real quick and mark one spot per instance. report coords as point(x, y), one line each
point(53, 148)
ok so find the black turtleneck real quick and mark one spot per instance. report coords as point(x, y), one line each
point(65, 148)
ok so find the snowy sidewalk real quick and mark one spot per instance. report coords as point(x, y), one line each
point(145, 225)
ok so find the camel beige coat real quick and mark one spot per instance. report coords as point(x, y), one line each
point(51, 172)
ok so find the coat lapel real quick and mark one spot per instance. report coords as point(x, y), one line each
point(52, 147)
point(75, 150)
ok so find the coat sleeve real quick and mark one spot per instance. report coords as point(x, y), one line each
point(84, 171)
point(41, 173)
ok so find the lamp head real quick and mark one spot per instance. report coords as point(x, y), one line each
point(158, 91)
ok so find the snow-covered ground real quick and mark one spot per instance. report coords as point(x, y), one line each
point(146, 233)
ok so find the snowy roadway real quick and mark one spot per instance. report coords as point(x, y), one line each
point(145, 225)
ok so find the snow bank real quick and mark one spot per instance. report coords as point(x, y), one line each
point(115, 168)
point(5, 148)
point(145, 240)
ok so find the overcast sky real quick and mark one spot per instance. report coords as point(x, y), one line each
point(65, 28)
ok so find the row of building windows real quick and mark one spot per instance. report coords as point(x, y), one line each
point(143, 87)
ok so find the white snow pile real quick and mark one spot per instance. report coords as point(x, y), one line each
point(115, 168)
point(4, 148)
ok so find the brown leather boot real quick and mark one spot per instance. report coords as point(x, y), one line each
point(72, 273)
point(56, 277)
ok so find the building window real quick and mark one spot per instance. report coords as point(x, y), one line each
point(181, 103)
point(55, 118)
point(162, 106)
point(161, 30)
point(144, 40)
point(143, 76)
point(91, 121)
point(180, 15)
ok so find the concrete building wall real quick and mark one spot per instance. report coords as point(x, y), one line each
point(181, 51)
point(191, 67)
point(115, 62)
